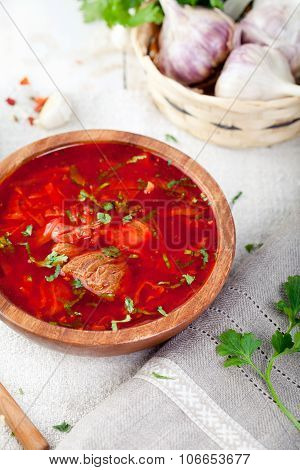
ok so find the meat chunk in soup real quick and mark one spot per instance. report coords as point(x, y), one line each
point(97, 272)
point(67, 249)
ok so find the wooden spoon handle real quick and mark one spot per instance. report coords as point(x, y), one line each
point(23, 429)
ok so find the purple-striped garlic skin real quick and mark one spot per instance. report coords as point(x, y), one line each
point(273, 24)
point(193, 41)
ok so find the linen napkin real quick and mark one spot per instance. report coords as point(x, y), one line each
point(204, 405)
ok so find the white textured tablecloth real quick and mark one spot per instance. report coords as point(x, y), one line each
point(108, 92)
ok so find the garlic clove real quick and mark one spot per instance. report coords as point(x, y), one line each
point(56, 112)
point(275, 25)
point(254, 72)
point(192, 41)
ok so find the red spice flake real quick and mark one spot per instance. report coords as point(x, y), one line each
point(10, 101)
point(24, 81)
point(31, 120)
point(39, 103)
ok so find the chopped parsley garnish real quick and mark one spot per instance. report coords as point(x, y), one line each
point(111, 251)
point(253, 246)
point(83, 196)
point(108, 206)
point(53, 259)
point(189, 279)
point(55, 275)
point(236, 197)
point(103, 217)
point(76, 177)
point(156, 375)
point(170, 138)
point(169, 162)
point(238, 348)
point(5, 243)
point(172, 183)
point(77, 284)
point(28, 250)
point(166, 260)
point(28, 231)
point(149, 216)
point(161, 310)
point(69, 305)
point(114, 323)
point(63, 427)
point(21, 391)
point(104, 185)
point(127, 218)
point(129, 304)
point(70, 215)
point(204, 254)
point(136, 158)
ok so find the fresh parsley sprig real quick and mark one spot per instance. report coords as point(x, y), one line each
point(239, 348)
point(130, 13)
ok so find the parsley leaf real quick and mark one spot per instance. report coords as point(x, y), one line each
point(129, 305)
point(125, 12)
point(136, 158)
point(63, 427)
point(83, 196)
point(189, 279)
point(114, 323)
point(166, 260)
point(156, 375)
point(236, 197)
point(162, 311)
point(204, 254)
point(76, 283)
point(28, 231)
point(103, 217)
point(296, 347)
point(253, 247)
point(281, 341)
point(55, 275)
point(111, 251)
point(239, 346)
point(291, 306)
point(5, 243)
point(76, 177)
point(127, 218)
point(53, 259)
point(108, 206)
point(170, 138)
point(70, 215)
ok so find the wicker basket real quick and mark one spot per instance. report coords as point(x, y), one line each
point(226, 122)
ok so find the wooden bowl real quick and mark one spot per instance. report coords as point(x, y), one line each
point(223, 121)
point(106, 343)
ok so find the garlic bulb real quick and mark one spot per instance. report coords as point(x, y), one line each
point(192, 41)
point(55, 112)
point(275, 24)
point(254, 72)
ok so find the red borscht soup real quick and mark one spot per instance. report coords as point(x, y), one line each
point(103, 236)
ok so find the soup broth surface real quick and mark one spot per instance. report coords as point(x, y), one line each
point(103, 237)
